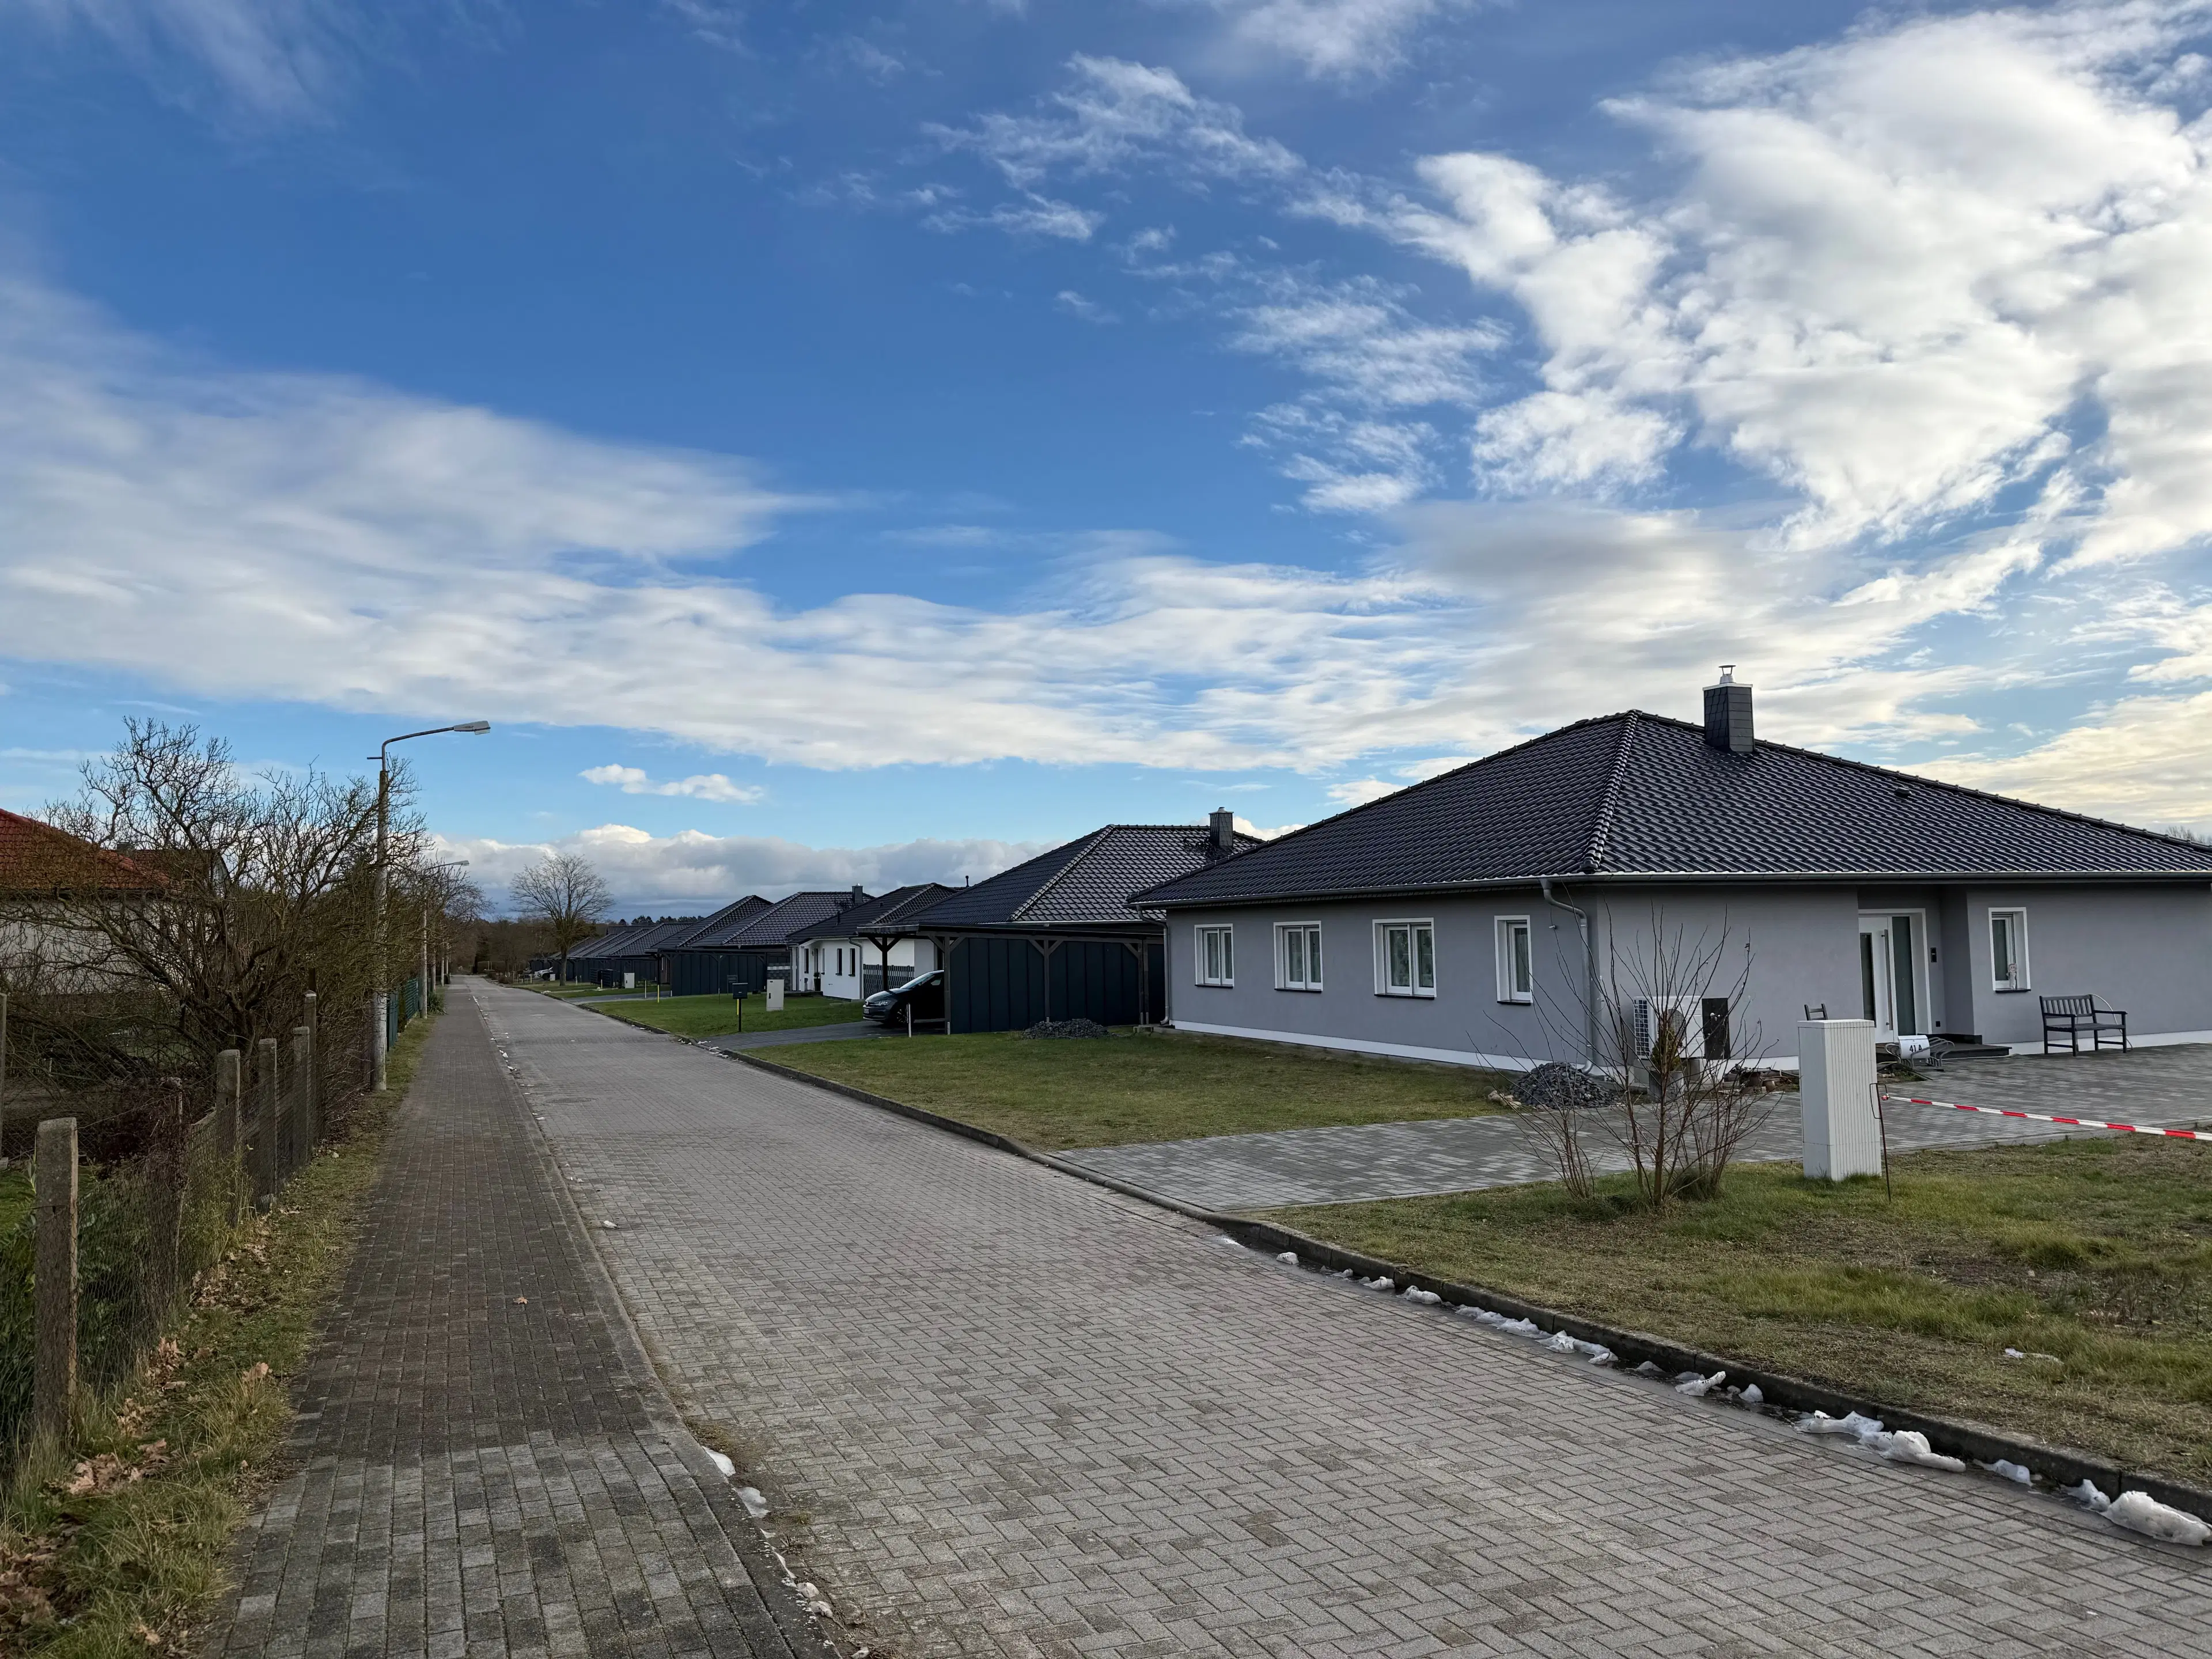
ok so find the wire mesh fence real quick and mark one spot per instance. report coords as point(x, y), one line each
point(169, 1171)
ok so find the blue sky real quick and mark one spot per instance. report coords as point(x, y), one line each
point(864, 443)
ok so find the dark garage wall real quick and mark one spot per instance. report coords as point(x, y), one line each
point(1008, 984)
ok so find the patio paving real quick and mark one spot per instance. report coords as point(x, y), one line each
point(2169, 1087)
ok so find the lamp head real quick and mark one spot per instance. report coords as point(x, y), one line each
point(478, 726)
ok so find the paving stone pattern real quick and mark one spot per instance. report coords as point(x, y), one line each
point(1023, 1415)
point(480, 1476)
point(2169, 1086)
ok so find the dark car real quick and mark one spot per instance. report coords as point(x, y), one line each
point(924, 993)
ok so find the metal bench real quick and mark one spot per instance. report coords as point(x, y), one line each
point(2067, 1020)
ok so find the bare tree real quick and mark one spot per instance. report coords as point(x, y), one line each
point(1675, 1073)
point(253, 891)
point(565, 894)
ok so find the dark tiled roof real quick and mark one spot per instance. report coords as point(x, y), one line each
point(893, 912)
point(37, 858)
point(1638, 794)
point(725, 923)
point(785, 920)
point(1088, 881)
point(660, 936)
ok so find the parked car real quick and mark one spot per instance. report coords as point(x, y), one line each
point(924, 993)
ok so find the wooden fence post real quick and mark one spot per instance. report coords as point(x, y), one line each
point(303, 1090)
point(229, 1127)
point(165, 1199)
point(268, 1134)
point(53, 1388)
point(311, 1076)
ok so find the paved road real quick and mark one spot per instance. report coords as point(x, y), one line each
point(844, 1031)
point(2169, 1086)
point(482, 1475)
point(1001, 1411)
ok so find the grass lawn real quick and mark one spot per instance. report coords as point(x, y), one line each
point(717, 1015)
point(1160, 1085)
point(125, 1535)
point(2097, 1253)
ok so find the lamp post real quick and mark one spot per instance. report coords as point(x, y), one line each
point(380, 1013)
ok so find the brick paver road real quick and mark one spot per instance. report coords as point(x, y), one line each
point(489, 1466)
point(1001, 1411)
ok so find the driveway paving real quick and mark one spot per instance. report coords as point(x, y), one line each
point(1000, 1411)
point(2170, 1087)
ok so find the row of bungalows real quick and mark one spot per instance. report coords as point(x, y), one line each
point(1055, 938)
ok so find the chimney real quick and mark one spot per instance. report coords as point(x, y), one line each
point(857, 897)
point(1728, 714)
point(1222, 822)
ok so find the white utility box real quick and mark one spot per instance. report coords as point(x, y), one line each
point(1836, 1080)
point(775, 996)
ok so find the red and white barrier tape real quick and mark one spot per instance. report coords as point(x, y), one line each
point(2039, 1117)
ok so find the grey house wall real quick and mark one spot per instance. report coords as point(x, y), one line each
point(2145, 949)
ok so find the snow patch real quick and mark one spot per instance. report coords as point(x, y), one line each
point(722, 1462)
point(1425, 1298)
point(2138, 1511)
point(1696, 1387)
point(1289, 1258)
point(1910, 1446)
point(1753, 1394)
point(2005, 1469)
point(1378, 1284)
point(2088, 1495)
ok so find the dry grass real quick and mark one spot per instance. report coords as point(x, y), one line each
point(1156, 1086)
point(2097, 1253)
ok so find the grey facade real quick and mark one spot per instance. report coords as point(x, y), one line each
point(1808, 880)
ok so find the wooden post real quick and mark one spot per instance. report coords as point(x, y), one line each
point(165, 1199)
point(229, 1127)
point(303, 1091)
point(53, 1171)
point(311, 1075)
point(4, 1079)
point(265, 1175)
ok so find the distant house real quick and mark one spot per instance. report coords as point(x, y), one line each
point(865, 946)
point(1483, 917)
point(51, 884)
point(1057, 938)
point(752, 946)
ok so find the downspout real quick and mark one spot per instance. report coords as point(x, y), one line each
point(1590, 966)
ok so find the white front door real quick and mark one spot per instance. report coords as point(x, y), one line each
point(1878, 976)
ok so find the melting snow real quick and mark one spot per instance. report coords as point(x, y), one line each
point(1697, 1387)
point(2011, 1471)
point(756, 1505)
point(2088, 1495)
point(1427, 1298)
point(1291, 1257)
point(2138, 1511)
point(721, 1462)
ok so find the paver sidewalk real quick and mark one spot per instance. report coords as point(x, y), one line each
point(1001, 1413)
point(487, 1467)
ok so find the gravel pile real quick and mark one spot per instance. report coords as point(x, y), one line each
point(1067, 1028)
point(1555, 1086)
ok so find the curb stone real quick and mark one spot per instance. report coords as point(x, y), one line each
point(755, 1551)
point(1784, 1394)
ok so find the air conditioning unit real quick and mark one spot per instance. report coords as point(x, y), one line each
point(1699, 1026)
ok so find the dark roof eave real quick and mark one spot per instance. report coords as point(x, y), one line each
point(1158, 900)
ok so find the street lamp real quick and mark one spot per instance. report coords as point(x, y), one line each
point(381, 998)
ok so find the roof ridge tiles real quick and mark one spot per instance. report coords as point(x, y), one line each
point(1609, 798)
point(1083, 845)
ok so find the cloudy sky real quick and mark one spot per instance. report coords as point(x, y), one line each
point(865, 442)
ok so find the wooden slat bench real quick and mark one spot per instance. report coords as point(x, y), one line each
point(2067, 1020)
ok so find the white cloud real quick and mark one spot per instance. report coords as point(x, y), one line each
point(272, 60)
point(702, 786)
point(693, 871)
point(1114, 114)
point(1033, 216)
point(1089, 310)
point(1341, 40)
point(1358, 792)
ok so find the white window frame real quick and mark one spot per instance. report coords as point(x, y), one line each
point(2017, 916)
point(1308, 934)
point(1227, 933)
point(1509, 988)
point(1415, 926)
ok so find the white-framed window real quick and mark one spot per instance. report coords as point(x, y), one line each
point(1516, 966)
point(1297, 956)
point(1406, 959)
point(2008, 950)
point(1212, 951)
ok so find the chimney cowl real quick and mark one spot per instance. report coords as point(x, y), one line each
point(1223, 823)
point(1728, 714)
